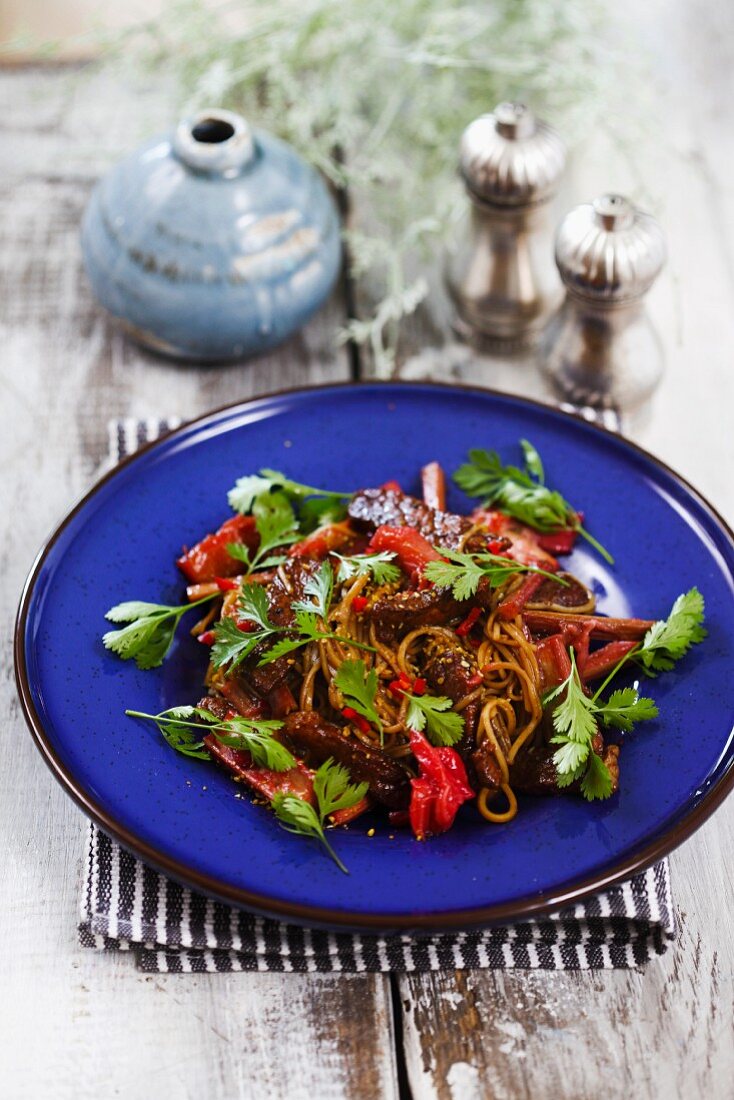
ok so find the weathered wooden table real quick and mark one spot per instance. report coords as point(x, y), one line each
point(77, 1025)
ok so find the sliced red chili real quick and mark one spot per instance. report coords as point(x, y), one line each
point(226, 584)
point(419, 686)
point(359, 603)
point(359, 720)
point(207, 638)
point(464, 627)
point(246, 626)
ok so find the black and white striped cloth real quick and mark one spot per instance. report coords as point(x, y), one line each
point(127, 906)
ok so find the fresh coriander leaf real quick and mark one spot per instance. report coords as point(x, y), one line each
point(282, 648)
point(150, 630)
point(232, 645)
point(360, 687)
point(574, 717)
point(134, 609)
point(246, 490)
point(625, 707)
point(570, 758)
point(380, 566)
point(670, 639)
point(256, 737)
point(519, 494)
point(182, 725)
point(181, 733)
point(318, 511)
point(320, 588)
point(296, 488)
point(275, 521)
point(253, 604)
point(240, 552)
point(334, 790)
point(533, 463)
point(462, 577)
point(428, 712)
point(596, 782)
point(463, 572)
point(297, 816)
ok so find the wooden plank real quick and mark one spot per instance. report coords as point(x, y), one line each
point(75, 1024)
point(668, 1030)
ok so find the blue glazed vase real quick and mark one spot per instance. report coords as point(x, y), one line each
point(212, 243)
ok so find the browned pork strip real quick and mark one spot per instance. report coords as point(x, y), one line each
point(401, 612)
point(271, 682)
point(373, 508)
point(310, 733)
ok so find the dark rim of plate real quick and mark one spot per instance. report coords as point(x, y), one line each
point(460, 919)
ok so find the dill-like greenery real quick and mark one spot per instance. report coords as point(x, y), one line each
point(376, 95)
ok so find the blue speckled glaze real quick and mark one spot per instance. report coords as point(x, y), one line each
point(212, 263)
point(122, 544)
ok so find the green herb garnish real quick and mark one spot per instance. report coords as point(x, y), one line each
point(575, 721)
point(247, 489)
point(334, 791)
point(433, 713)
point(276, 525)
point(463, 572)
point(522, 494)
point(150, 630)
point(379, 566)
point(575, 718)
point(232, 645)
point(180, 726)
point(360, 687)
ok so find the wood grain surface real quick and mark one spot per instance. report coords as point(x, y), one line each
point(77, 1025)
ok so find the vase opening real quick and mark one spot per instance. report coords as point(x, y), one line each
point(212, 131)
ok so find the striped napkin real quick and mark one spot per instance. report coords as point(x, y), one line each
point(127, 906)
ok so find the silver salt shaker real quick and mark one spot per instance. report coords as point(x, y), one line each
point(600, 349)
point(499, 269)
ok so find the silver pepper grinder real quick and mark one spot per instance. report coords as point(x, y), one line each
point(600, 349)
point(499, 270)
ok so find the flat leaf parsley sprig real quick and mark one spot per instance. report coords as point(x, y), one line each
point(522, 494)
point(575, 718)
point(182, 728)
point(463, 572)
point(149, 632)
point(315, 506)
point(333, 791)
point(232, 645)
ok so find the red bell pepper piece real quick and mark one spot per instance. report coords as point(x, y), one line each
point(553, 661)
point(526, 548)
point(209, 559)
point(412, 550)
point(620, 630)
point(464, 627)
point(343, 817)
point(604, 660)
point(513, 604)
point(226, 584)
point(320, 543)
point(559, 542)
point(440, 790)
point(297, 781)
point(206, 638)
point(359, 719)
point(359, 603)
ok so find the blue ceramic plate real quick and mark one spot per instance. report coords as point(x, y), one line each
point(182, 815)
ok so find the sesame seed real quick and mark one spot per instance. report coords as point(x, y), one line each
point(370, 832)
